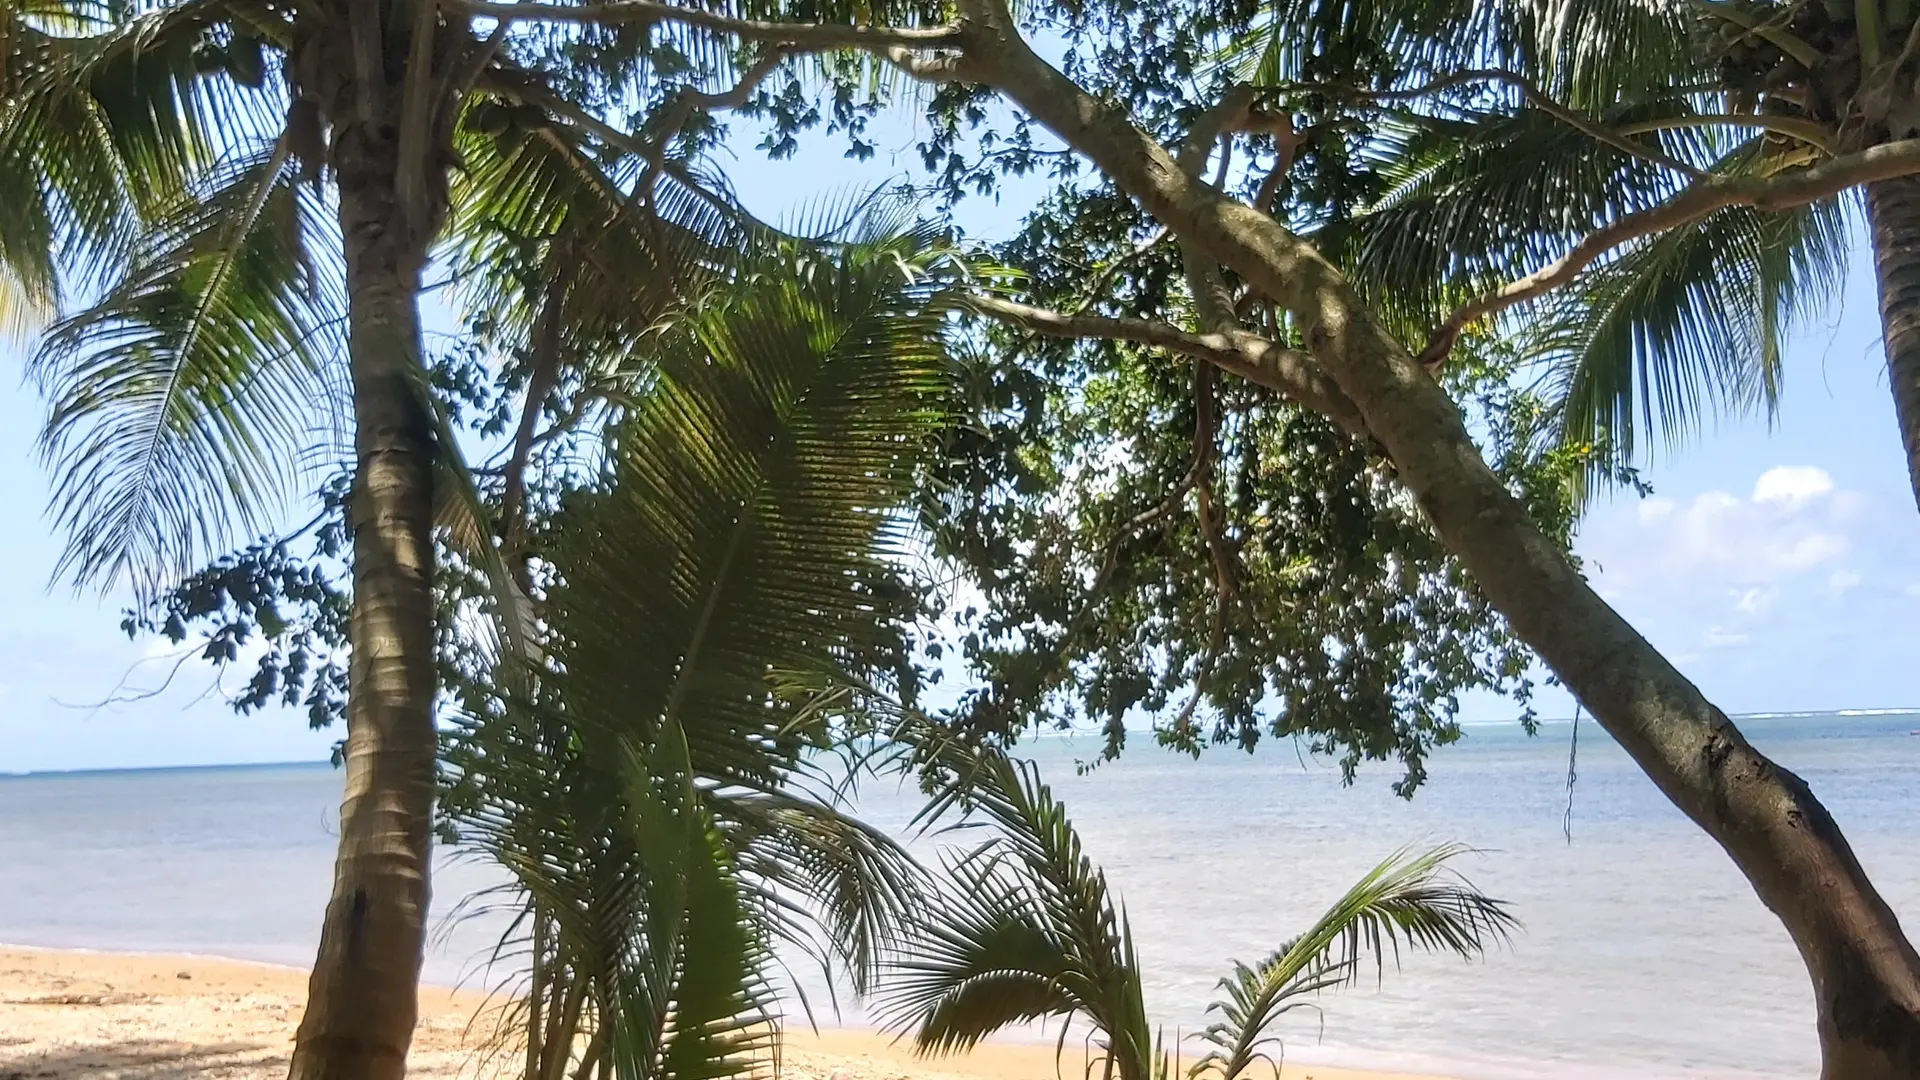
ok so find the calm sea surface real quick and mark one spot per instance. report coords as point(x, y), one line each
point(1644, 953)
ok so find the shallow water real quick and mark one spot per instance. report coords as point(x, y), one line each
point(1643, 952)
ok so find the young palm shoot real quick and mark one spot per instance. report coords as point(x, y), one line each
point(1030, 932)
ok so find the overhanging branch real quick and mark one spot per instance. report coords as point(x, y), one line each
point(1782, 191)
point(688, 100)
point(798, 37)
point(1294, 374)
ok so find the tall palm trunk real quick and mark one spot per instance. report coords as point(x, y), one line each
point(361, 1003)
point(1893, 210)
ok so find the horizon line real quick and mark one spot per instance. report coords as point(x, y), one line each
point(6, 774)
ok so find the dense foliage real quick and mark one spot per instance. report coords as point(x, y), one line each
point(1141, 537)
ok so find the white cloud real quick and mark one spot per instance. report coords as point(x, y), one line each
point(1792, 483)
point(1656, 507)
point(1762, 586)
point(1719, 638)
point(1810, 551)
point(1794, 522)
point(157, 647)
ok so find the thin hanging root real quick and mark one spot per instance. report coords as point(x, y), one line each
point(1205, 430)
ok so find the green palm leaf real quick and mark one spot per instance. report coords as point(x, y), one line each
point(1410, 899)
point(1689, 322)
point(1472, 203)
point(185, 393)
point(1591, 53)
point(780, 431)
point(714, 597)
point(829, 884)
point(986, 967)
point(1028, 931)
point(105, 125)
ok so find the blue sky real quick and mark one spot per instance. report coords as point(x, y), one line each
point(1775, 564)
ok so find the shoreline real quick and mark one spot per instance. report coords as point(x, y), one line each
point(69, 1013)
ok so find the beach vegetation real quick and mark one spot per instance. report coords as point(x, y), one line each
point(1027, 931)
point(721, 610)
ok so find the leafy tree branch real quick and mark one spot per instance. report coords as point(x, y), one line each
point(1293, 373)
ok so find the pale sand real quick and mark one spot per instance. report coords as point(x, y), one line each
point(109, 1016)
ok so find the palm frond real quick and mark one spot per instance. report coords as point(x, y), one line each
point(1590, 54)
point(978, 969)
point(1411, 899)
point(835, 887)
point(183, 394)
point(1688, 323)
point(532, 201)
point(1030, 931)
point(780, 435)
point(710, 593)
point(106, 124)
point(1472, 203)
point(1305, 40)
point(718, 1025)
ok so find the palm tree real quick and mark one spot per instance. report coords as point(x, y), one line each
point(232, 203)
point(715, 602)
point(1030, 932)
point(1504, 158)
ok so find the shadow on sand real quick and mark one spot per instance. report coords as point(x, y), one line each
point(144, 1060)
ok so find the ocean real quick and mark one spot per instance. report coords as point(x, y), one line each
point(1643, 952)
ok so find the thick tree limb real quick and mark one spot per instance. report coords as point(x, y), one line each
point(1287, 141)
point(417, 116)
point(799, 37)
point(1098, 286)
point(1718, 192)
point(1213, 312)
point(545, 345)
point(667, 123)
point(944, 66)
point(461, 77)
point(1294, 374)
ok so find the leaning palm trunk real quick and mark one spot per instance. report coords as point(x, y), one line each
point(1865, 972)
point(362, 1002)
point(1893, 209)
point(1870, 998)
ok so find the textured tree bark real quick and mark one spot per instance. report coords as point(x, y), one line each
point(361, 1004)
point(1865, 972)
point(1893, 210)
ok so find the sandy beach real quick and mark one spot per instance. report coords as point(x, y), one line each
point(110, 1016)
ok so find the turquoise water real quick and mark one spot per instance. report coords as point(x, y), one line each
point(1644, 953)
